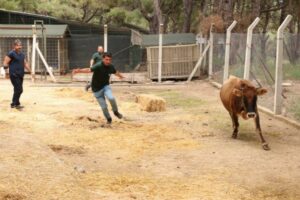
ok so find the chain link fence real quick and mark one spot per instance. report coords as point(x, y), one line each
point(291, 76)
point(56, 52)
point(262, 68)
point(65, 54)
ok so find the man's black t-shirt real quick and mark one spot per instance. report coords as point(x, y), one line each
point(101, 75)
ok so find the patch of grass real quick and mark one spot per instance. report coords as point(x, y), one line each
point(236, 70)
point(178, 99)
point(295, 109)
point(291, 72)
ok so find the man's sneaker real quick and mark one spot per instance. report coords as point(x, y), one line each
point(118, 115)
point(19, 107)
point(109, 120)
point(87, 87)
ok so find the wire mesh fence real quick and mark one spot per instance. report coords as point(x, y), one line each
point(54, 48)
point(81, 48)
point(263, 66)
point(65, 54)
point(291, 76)
point(218, 56)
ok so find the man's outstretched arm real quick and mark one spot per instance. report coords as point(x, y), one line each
point(26, 66)
point(6, 61)
point(5, 65)
point(119, 75)
point(91, 62)
point(83, 70)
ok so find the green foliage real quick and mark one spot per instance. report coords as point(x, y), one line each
point(135, 17)
point(148, 5)
point(137, 12)
point(8, 4)
point(174, 13)
point(28, 5)
point(117, 15)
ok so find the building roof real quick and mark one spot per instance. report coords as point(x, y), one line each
point(168, 39)
point(75, 27)
point(25, 31)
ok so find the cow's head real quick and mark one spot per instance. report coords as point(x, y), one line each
point(248, 95)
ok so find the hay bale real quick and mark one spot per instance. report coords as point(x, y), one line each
point(151, 103)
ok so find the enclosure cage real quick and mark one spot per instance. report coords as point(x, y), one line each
point(177, 61)
point(56, 47)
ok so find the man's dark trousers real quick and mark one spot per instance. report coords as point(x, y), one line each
point(17, 82)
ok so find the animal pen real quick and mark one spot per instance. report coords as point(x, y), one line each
point(56, 44)
point(269, 60)
point(177, 62)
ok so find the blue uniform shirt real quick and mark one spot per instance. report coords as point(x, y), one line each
point(16, 65)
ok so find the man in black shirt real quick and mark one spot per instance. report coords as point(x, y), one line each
point(100, 84)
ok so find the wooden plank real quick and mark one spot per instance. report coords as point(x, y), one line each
point(45, 63)
point(199, 62)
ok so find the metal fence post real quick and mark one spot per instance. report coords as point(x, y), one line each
point(278, 73)
point(211, 42)
point(227, 50)
point(33, 53)
point(105, 37)
point(248, 48)
point(200, 48)
point(160, 52)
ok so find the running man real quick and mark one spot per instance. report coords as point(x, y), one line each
point(100, 84)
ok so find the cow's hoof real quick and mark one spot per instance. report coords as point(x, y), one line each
point(266, 146)
point(234, 135)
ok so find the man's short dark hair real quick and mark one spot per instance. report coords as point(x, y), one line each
point(17, 42)
point(107, 54)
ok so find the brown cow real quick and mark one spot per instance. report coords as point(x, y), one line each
point(239, 97)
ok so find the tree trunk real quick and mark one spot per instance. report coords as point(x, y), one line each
point(188, 8)
point(227, 12)
point(158, 12)
point(151, 18)
point(153, 25)
point(255, 12)
point(216, 6)
point(203, 7)
point(264, 37)
point(243, 4)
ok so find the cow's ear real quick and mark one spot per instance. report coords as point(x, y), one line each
point(261, 91)
point(237, 92)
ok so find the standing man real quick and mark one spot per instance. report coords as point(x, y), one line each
point(96, 58)
point(15, 61)
point(100, 84)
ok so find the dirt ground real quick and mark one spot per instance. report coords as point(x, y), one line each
point(58, 148)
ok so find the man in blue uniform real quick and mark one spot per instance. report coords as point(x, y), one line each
point(100, 84)
point(15, 61)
